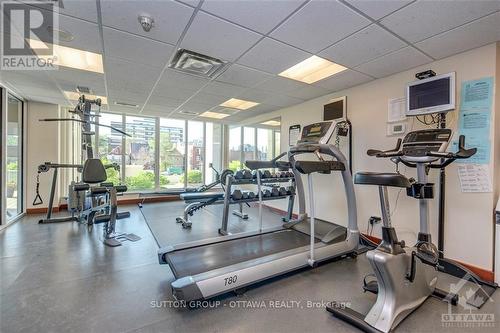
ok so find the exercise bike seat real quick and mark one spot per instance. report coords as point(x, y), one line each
point(381, 179)
point(202, 196)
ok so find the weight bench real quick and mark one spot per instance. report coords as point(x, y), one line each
point(198, 200)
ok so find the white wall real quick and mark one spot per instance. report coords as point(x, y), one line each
point(42, 146)
point(469, 217)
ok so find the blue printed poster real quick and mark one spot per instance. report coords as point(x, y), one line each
point(475, 117)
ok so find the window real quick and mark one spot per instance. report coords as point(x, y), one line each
point(248, 144)
point(161, 153)
point(264, 144)
point(109, 146)
point(277, 143)
point(14, 162)
point(172, 153)
point(195, 153)
point(213, 150)
point(234, 157)
point(140, 153)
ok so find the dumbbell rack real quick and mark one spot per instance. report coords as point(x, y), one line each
point(231, 181)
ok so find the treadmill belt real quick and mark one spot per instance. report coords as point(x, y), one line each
point(209, 257)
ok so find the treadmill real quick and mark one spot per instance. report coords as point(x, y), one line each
point(210, 267)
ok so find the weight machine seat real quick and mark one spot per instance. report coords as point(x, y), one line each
point(201, 196)
point(93, 171)
point(381, 179)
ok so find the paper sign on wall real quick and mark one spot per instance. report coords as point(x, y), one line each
point(293, 135)
point(475, 117)
point(474, 178)
point(396, 110)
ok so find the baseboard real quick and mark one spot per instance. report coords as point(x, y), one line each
point(484, 274)
point(121, 202)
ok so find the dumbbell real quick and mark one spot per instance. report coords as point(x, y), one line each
point(254, 174)
point(290, 190)
point(244, 195)
point(237, 195)
point(289, 174)
point(282, 191)
point(251, 195)
point(275, 192)
point(266, 193)
point(266, 174)
point(247, 174)
point(238, 174)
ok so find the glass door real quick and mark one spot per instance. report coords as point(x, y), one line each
point(13, 165)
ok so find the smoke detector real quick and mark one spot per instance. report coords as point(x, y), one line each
point(196, 63)
point(146, 21)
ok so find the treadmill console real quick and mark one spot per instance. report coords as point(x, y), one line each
point(416, 144)
point(319, 133)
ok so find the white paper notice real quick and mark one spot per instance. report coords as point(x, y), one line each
point(396, 109)
point(474, 178)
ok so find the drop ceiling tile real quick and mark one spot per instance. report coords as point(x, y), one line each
point(255, 95)
point(424, 19)
point(160, 100)
point(124, 109)
point(174, 93)
point(192, 3)
point(119, 44)
point(365, 45)
point(269, 12)
point(85, 34)
point(170, 18)
point(272, 56)
point(208, 99)
point(308, 92)
point(394, 62)
point(343, 80)
point(129, 76)
point(243, 76)
point(174, 79)
point(222, 89)
point(68, 79)
point(475, 34)
point(282, 101)
point(217, 38)
point(49, 100)
point(82, 9)
point(280, 85)
point(319, 24)
point(195, 107)
point(377, 9)
point(157, 111)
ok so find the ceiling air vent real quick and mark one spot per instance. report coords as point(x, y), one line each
point(196, 63)
point(130, 105)
point(189, 112)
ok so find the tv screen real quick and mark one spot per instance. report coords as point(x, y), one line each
point(432, 95)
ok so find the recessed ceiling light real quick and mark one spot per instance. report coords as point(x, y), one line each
point(215, 115)
point(239, 104)
point(74, 96)
point(70, 57)
point(271, 123)
point(312, 69)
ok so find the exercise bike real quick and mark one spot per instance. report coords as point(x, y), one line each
point(405, 276)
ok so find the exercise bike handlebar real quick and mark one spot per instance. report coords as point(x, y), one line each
point(460, 154)
point(387, 153)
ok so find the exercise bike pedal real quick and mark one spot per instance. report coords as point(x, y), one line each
point(445, 296)
point(187, 225)
point(370, 286)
